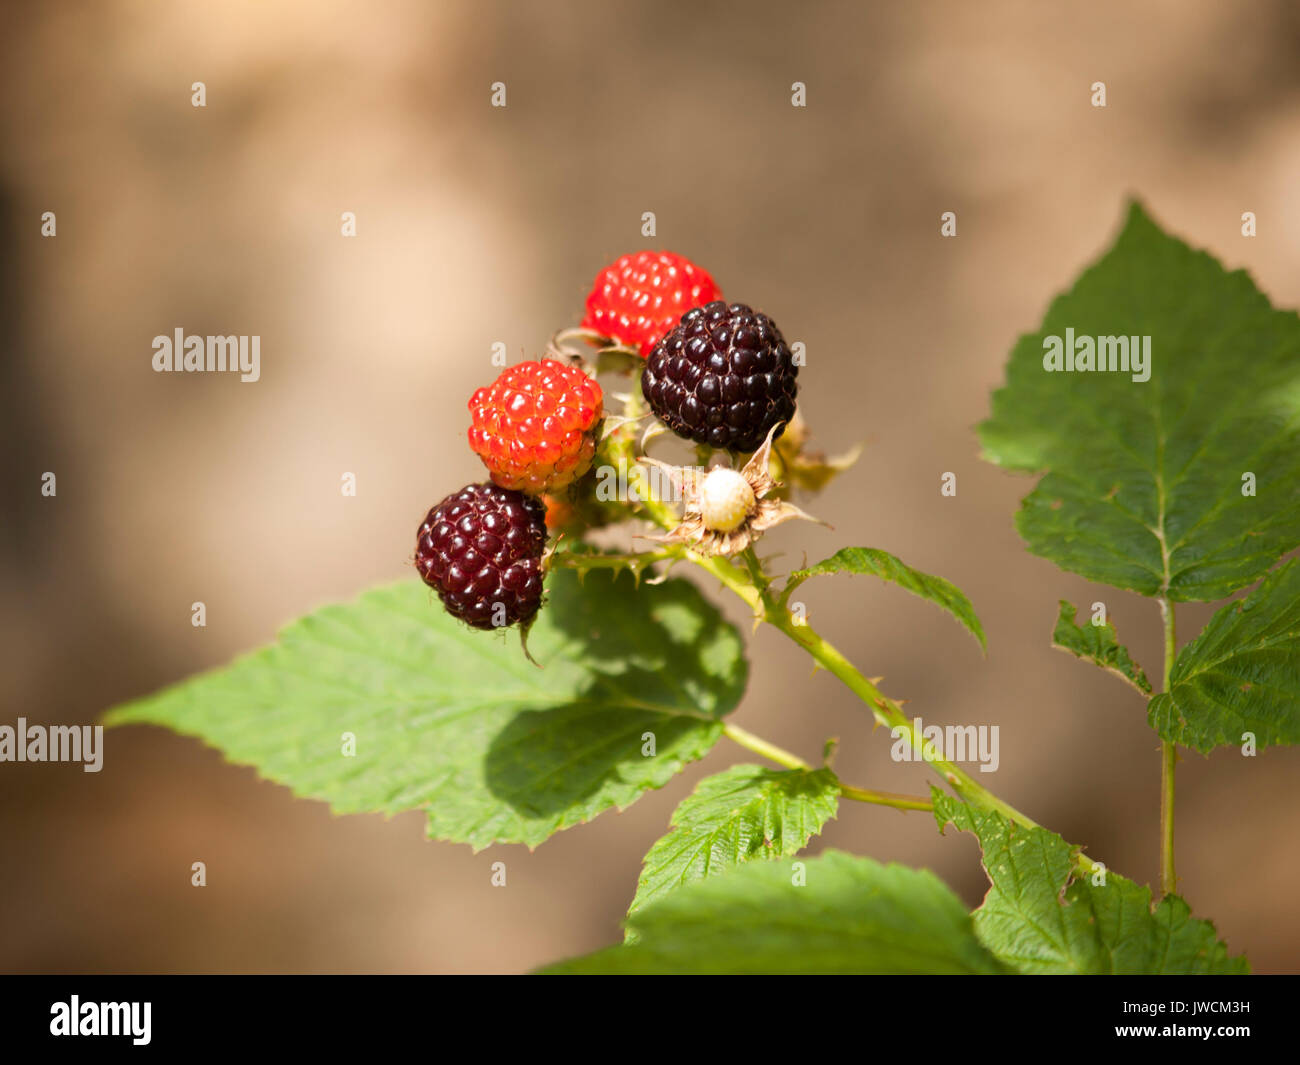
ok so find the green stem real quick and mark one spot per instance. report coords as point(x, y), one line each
point(887, 712)
point(783, 757)
point(761, 746)
point(574, 560)
point(753, 587)
point(1168, 762)
point(886, 798)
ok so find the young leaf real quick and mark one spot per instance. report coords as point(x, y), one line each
point(457, 722)
point(1187, 484)
point(849, 915)
point(1037, 918)
point(1100, 644)
point(1241, 675)
point(875, 563)
point(742, 814)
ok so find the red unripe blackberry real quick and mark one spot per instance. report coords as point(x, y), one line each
point(637, 298)
point(535, 426)
point(481, 550)
point(723, 377)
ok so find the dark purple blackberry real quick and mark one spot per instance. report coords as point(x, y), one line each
point(722, 376)
point(481, 550)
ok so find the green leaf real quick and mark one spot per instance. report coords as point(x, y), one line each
point(741, 814)
point(851, 915)
point(1100, 644)
point(1242, 674)
point(457, 722)
point(874, 563)
point(1143, 484)
point(1039, 918)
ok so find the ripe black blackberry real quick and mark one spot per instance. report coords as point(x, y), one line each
point(481, 550)
point(722, 376)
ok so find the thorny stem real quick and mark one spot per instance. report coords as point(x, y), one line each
point(885, 710)
point(1168, 761)
point(783, 757)
point(613, 561)
point(753, 587)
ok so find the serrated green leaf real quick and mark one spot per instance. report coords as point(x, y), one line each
point(1100, 644)
point(1143, 481)
point(876, 563)
point(742, 814)
point(1242, 674)
point(1039, 918)
point(457, 722)
point(850, 916)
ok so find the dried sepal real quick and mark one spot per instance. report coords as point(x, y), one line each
point(709, 522)
point(808, 470)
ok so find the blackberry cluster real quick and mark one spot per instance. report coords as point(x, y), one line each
point(723, 376)
point(481, 550)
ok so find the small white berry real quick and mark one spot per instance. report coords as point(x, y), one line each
point(726, 500)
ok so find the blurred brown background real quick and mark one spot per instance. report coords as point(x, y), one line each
point(477, 225)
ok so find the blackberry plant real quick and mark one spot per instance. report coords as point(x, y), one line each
point(1158, 406)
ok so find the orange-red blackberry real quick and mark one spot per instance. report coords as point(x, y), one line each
point(534, 427)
